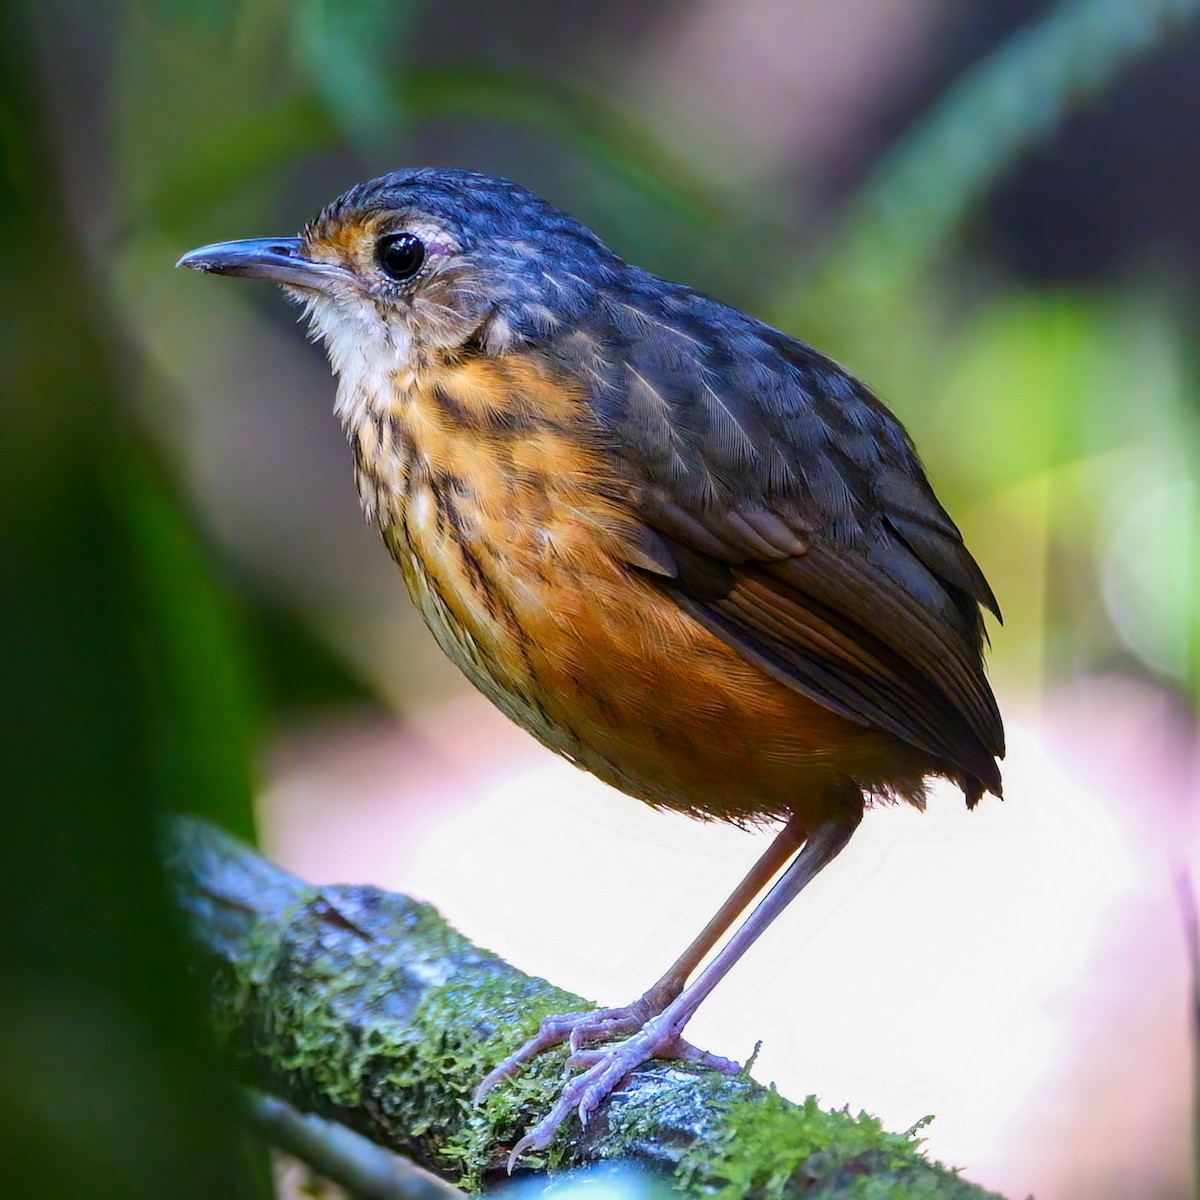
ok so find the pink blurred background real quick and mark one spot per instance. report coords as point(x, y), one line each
point(1018, 971)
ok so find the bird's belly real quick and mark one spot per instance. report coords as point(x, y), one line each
point(607, 670)
point(486, 655)
point(667, 712)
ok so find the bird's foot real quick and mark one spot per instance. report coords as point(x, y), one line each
point(652, 1032)
point(605, 1067)
point(581, 1029)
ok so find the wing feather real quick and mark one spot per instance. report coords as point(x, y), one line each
point(790, 515)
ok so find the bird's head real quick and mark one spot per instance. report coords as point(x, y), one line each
point(424, 261)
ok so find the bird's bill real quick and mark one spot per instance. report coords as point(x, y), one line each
point(281, 260)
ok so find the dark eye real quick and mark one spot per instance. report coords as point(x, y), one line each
point(401, 255)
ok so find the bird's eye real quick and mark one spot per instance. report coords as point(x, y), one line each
point(400, 255)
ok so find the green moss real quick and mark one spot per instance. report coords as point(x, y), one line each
point(301, 997)
point(769, 1148)
point(298, 1029)
point(461, 1058)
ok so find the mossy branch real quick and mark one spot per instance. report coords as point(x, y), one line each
point(366, 1008)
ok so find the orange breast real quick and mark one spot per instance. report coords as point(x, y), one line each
point(495, 499)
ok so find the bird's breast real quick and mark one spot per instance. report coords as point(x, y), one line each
point(485, 479)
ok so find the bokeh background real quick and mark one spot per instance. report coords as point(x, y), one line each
point(990, 211)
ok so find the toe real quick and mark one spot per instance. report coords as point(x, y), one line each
point(686, 1052)
point(553, 1031)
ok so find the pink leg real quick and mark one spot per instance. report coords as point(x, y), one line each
point(579, 1028)
point(785, 844)
point(661, 1032)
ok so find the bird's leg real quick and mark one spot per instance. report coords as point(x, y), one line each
point(784, 845)
point(580, 1028)
point(661, 1032)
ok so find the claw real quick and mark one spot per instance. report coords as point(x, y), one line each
point(489, 1081)
point(520, 1148)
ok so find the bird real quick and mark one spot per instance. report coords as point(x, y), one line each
point(683, 549)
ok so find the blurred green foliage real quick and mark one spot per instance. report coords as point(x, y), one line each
point(1054, 422)
point(108, 1083)
point(141, 664)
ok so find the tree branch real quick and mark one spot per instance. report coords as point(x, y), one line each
point(363, 1169)
point(364, 1007)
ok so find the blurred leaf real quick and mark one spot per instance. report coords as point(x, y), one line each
point(1152, 577)
point(921, 192)
point(179, 71)
point(1042, 379)
point(298, 672)
point(1072, 412)
point(209, 725)
point(350, 52)
point(252, 146)
point(597, 128)
point(242, 155)
point(110, 1086)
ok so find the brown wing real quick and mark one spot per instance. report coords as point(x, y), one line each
point(785, 508)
